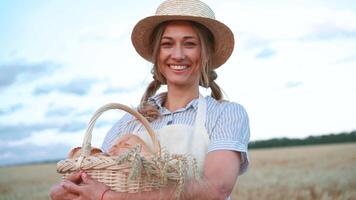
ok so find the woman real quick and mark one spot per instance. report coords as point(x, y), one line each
point(185, 43)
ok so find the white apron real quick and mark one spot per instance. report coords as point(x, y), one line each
point(184, 139)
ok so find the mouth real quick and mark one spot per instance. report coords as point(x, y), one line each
point(178, 67)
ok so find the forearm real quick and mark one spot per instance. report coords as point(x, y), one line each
point(205, 190)
point(163, 193)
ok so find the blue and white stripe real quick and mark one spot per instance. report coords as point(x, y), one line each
point(227, 124)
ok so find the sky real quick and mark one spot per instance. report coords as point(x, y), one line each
point(293, 69)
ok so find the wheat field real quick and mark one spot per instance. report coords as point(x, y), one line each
point(311, 172)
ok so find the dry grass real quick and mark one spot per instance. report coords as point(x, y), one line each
point(314, 172)
point(310, 172)
point(27, 182)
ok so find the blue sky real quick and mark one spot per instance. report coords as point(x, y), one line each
point(293, 69)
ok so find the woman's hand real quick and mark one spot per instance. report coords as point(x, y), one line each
point(89, 189)
point(58, 192)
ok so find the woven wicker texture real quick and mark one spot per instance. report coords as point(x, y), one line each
point(180, 7)
point(131, 172)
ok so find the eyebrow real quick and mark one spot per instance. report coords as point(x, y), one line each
point(185, 37)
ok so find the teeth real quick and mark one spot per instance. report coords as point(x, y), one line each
point(178, 67)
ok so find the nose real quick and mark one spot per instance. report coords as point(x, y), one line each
point(178, 53)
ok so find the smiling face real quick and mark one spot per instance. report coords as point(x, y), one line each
point(179, 57)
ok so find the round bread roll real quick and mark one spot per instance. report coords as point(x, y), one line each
point(75, 152)
point(127, 142)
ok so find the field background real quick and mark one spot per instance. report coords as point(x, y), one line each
point(309, 172)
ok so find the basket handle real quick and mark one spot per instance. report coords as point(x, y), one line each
point(86, 147)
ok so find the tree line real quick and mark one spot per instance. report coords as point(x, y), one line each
point(311, 140)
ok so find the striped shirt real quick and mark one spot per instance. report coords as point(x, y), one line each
point(226, 122)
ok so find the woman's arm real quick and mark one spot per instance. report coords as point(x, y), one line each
point(220, 174)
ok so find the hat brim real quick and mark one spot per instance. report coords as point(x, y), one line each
point(223, 36)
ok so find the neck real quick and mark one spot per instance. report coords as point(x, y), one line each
point(179, 98)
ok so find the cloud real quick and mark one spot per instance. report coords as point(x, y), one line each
point(11, 109)
point(250, 40)
point(105, 121)
point(22, 70)
point(44, 145)
point(346, 60)
point(117, 90)
point(32, 153)
point(266, 53)
point(123, 90)
point(328, 30)
point(79, 87)
point(73, 126)
point(294, 84)
point(59, 111)
point(11, 132)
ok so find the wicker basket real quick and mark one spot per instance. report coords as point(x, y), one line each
point(130, 172)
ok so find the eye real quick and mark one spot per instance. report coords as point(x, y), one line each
point(190, 44)
point(166, 44)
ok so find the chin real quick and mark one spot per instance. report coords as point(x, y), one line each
point(180, 83)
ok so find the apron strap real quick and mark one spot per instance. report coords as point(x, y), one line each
point(137, 128)
point(201, 114)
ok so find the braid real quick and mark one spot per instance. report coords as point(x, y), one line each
point(149, 111)
point(215, 89)
point(151, 90)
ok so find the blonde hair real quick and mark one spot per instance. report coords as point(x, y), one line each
point(207, 78)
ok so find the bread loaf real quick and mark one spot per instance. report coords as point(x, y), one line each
point(75, 152)
point(127, 142)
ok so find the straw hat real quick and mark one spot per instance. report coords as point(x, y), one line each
point(192, 10)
